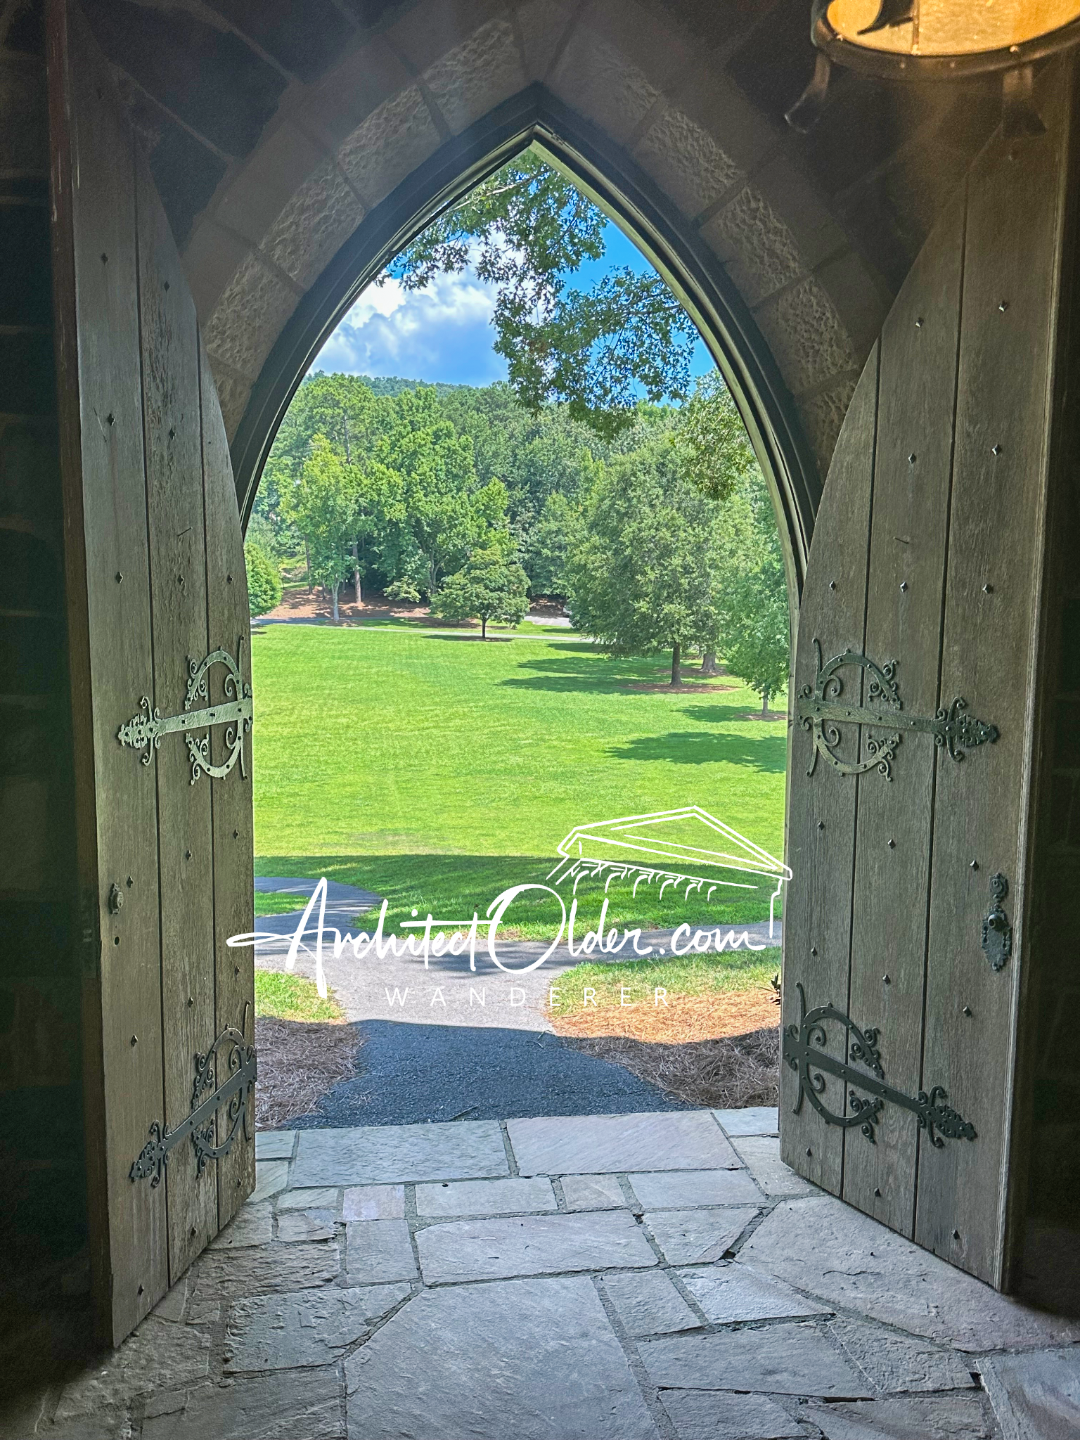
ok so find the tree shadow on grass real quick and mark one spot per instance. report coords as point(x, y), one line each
point(699, 747)
point(588, 671)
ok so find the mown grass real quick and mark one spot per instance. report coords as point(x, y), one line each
point(438, 771)
point(689, 975)
point(291, 997)
point(271, 904)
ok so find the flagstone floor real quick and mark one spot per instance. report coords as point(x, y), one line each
point(611, 1277)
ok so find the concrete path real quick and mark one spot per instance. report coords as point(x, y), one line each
point(443, 1041)
point(631, 1277)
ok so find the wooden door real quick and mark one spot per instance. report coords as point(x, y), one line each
point(924, 582)
point(158, 628)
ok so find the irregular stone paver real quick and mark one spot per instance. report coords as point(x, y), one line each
point(701, 1415)
point(532, 1359)
point(534, 1245)
point(761, 1153)
point(591, 1144)
point(379, 1250)
point(159, 1356)
point(274, 1144)
point(1035, 1397)
point(754, 1120)
point(485, 1197)
point(898, 1363)
point(281, 1405)
point(270, 1177)
point(779, 1360)
point(698, 1237)
point(278, 1332)
point(647, 1303)
point(826, 1247)
point(251, 1225)
point(374, 1202)
point(326, 1197)
point(678, 1189)
point(592, 1192)
point(294, 1225)
point(943, 1417)
point(465, 1150)
point(266, 1270)
point(733, 1292)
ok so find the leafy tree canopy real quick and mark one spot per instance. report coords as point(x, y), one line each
point(526, 229)
point(491, 585)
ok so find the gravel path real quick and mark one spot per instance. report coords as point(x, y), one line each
point(444, 1041)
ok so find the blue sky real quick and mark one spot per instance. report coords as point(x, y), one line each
point(444, 332)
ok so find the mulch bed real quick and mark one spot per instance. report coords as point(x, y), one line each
point(299, 1061)
point(719, 1050)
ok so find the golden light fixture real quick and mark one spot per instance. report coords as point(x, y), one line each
point(943, 37)
point(939, 40)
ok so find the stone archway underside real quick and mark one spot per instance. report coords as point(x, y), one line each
point(279, 130)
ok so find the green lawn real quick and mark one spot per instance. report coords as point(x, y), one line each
point(437, 770)
point(291, 997)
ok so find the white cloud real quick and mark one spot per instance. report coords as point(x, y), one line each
point(440, 333)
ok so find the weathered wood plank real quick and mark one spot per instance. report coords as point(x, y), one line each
point(997, 514)
point(904, 604)
point(174, 499)
point(110, 641)
point(233, 824)
point(822, 806)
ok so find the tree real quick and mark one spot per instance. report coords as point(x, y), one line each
point(526, 229)
point(489, 586)
point(548, 544)
point(642, 574)
point(264, 579)
point(326, 506)
point(754, 604)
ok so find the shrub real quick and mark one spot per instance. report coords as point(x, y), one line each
point(264, 580)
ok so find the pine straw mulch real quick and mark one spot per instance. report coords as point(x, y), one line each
point(719, 1050)
point(299, 1061)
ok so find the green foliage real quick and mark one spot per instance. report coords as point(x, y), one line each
point(525, 229)
point(642, 573)
point(264, 579)
point(548, 545)
point(489, 586)
point(327, 505)
point(712, 441)
point(754, 611)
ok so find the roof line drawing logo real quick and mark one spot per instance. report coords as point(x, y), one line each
point(638, 845)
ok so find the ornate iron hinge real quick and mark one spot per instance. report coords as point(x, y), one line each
point(144, 731)
point(243, 1067)
point(822, 711)
point(804, 1047)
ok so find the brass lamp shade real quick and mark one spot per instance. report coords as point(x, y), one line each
point(943, 37)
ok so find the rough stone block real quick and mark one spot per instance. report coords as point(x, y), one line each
point(275, 1144)
point(280, 1332)
point(265, 1270)
point(732, 1292)
point(824, 1247)
point(806, 334)
point(251, 1225)
point(314, 223)
point(512, 1196)
point(593, 1192)
point(249, 316)
point(897, 1363)
point(782, 1360)
point(680, 1189)
point(294, 1225)
point(379, 1250)
point(762, 1156)
point(698, 1237)
point(391, 1154)
point(533, 1245)
point(374, 1202)
point(942, 1417)
point(160, 1355)
point(535, 1359)
point(647, 1303)
point(388, 145)
point(325, 1197)
point(587, 1144)
point(700, 1415)
point(686, 161)
point(753, 1120)
point(289, 1405)
point(475, 76)
point(1036, 1396)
